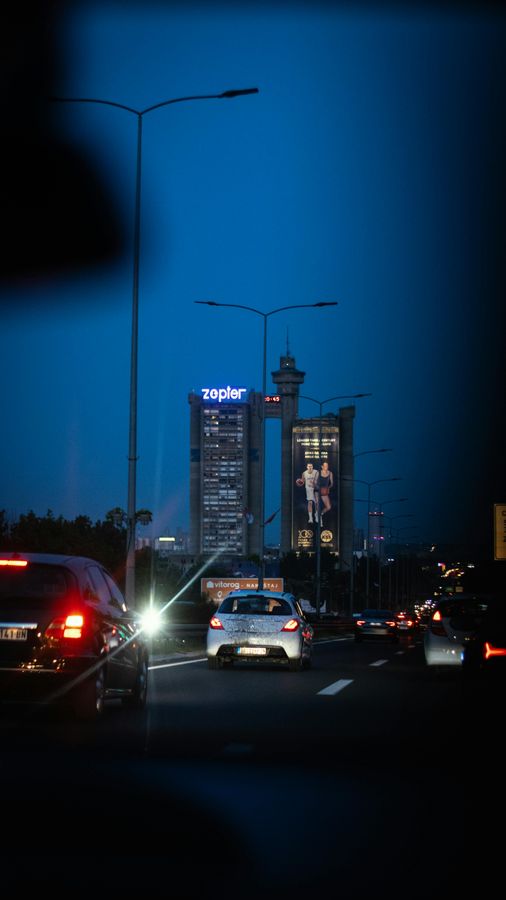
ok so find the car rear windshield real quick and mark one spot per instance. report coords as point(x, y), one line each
point(378, 613)
point(465, 606)
point(35, 581)
point(255, 606)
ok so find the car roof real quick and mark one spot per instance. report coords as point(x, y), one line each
point(271, 595)
point(55, 559)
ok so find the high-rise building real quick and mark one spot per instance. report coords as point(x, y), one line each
point(225, 469)
point(225, 479)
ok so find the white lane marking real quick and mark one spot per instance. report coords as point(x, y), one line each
point(332, 640)
point(399, 652)
point(336, 687)
point(379, 662)
point(183, 662)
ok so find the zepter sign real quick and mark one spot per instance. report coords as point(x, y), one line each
point(223, 394)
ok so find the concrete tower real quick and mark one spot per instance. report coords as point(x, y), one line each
point(288, 379)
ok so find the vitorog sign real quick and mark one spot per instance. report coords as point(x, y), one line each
point(218, 588)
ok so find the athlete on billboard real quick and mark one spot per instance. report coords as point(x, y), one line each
point(326, 483)
point(309, 480)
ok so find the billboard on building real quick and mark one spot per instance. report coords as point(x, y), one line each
point(218, 588)
point(315, 456)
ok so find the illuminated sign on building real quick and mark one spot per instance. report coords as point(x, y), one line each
point(315, 455)
point(221, 394)
point(272, 398)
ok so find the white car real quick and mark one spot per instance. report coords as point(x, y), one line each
point(259, 627)
point(452, 625)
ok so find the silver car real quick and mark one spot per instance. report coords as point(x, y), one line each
point(452, 625)
point(259, 626)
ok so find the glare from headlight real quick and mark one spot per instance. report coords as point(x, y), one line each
point(151, 621)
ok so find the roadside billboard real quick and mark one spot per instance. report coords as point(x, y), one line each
point(218, 588)
point(499, 530)
point(315, 456)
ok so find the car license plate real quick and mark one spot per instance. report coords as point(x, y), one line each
point(13, 634)
point(251, 651)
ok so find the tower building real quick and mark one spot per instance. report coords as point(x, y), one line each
point(225, 489)
point(226, 470)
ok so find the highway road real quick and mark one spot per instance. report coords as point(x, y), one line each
point(366, 775)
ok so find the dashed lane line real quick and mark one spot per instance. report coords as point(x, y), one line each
point(335, 687)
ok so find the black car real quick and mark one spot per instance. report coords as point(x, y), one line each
point(485, 652)
point(66, 634)
point(376, 623)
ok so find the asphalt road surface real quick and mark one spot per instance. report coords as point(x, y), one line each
point(365, 776)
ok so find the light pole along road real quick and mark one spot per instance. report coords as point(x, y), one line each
point(370, 484)
point(132, 442)
point(265, 316)
point(321, 404)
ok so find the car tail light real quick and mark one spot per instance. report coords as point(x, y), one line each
point(409, 622)
point(14, 563)
point(70, 626)
point(215, 623)
point(436, 625)
point(291, 625)
point(489, 650)
point(73, 627)
point(360, 622)
point(390, 623)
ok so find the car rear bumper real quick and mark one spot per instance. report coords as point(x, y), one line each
point(39, 681)
point(450, 655)
point(228, 646)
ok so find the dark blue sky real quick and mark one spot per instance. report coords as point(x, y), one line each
point(369, 170)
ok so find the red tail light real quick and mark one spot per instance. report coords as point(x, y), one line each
point(436, 625)
point(360, 622)
point(73, 627)
point(489, 650)
point(69, 627)
point(215, 623)
point(291, 625)
point(14, 563)
point(390, 624)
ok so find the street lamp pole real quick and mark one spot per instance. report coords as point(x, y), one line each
point(380, 542)
point(132, 438)
point(317, 511)
point(370, 484)
point(265, 316)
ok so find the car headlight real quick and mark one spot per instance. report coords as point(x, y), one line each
point(151, 621)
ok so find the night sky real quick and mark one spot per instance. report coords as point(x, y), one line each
point(368, 170)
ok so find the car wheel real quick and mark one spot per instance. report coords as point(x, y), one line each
point(295, 665)
point(137, 699)
point(90, 696)
point(213, 662)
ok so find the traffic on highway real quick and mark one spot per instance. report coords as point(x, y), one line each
point(255, 776)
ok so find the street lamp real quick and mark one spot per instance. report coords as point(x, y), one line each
point(265, 316)
point(321, 404)
point(132, 442)
point(364, 452)
point(380, 538)
point(370, 484)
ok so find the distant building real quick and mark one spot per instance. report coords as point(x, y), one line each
point(226, 469)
